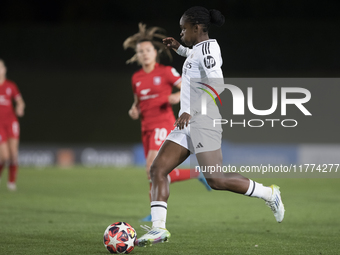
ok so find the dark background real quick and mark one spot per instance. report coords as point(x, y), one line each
point(68, 61)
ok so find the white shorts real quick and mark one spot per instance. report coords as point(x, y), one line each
point(196, 138)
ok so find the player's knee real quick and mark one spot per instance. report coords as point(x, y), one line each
point(4, 158)
point(156, 171)
point(153, 171)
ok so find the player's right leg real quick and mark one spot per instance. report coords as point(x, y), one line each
point(4, 155)
point(13, 144)
point(169, 156)
point(152, 142)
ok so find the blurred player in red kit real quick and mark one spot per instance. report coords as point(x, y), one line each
point(152, 87)
point(9, 125)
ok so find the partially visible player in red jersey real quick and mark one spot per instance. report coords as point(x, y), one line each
point(152, 87)
point(9, 125)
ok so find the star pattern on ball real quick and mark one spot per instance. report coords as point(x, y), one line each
point(113, 240)
point(122, 226)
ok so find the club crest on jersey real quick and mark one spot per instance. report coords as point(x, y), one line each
point(174, 72)
point(8, 91)
point(138, 83)
point(209, 62)
point(157, 80)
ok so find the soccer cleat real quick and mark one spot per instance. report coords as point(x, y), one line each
point(11, 186)
point(154, 235)
point(202, 179)
point(275, 203)
point(147, 218)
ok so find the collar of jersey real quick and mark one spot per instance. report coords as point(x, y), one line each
point(209, 40)
point(156, 65)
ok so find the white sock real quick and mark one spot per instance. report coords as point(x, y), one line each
point(158, 213)
point(258, 190)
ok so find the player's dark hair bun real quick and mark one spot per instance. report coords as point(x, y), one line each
point(201, 15)
point(216, 17)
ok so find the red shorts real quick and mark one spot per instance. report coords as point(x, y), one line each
point(153, 139)
point(9, 129)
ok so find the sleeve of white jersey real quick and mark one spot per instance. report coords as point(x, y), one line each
point(183, 51)
point(210, 62)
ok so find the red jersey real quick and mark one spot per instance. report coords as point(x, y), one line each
point(8, 92)
point(153, 90)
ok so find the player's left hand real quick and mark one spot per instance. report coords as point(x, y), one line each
point(174, 98)
point(183, 120)
point(134, 113)
point(19, 111)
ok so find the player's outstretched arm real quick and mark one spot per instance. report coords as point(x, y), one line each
point(176, 46)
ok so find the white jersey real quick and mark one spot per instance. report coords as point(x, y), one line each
point(203, 61)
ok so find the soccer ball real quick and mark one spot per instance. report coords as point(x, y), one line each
point(120, 237)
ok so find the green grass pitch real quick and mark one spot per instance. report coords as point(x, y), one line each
point(65, 211)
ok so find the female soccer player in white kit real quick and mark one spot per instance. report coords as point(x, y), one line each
point(152, 88)
point(194, 132)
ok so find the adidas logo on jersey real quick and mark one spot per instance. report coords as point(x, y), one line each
point(199, 145)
